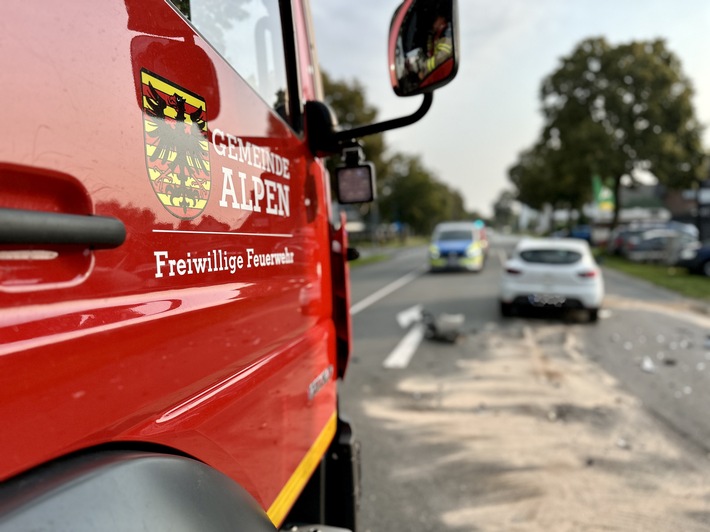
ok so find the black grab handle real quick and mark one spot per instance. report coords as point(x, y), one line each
point(18, 226)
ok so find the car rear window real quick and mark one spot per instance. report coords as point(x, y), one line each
point(455, 235)
point(550, 256)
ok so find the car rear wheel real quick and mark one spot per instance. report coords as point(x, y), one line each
point(506, 309)
point(593, 315)
point(706, 268)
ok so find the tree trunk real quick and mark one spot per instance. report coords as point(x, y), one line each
point(617, 203)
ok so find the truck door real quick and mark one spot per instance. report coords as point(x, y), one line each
point(208, 329)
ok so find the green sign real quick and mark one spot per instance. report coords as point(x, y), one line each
point(603, 195)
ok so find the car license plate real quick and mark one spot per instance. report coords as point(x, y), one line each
point(453, 259)
point(541, 300)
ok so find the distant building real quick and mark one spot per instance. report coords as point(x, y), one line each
point(639, 204)
point(690, 206)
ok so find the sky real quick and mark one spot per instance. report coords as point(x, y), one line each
point(483, 119)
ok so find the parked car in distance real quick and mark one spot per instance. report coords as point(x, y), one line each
point(458, 246)
point(616, 240)
point(583, 232)
point(695, 258)
point(657, 245)
point(551, 272)
point(619, 238)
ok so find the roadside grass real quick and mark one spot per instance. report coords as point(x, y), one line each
point(411, 241)
point(372, 253)
point(670, 277)
point(369, 259)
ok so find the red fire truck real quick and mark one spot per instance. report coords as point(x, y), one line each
point(173, 284)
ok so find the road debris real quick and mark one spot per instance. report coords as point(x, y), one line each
point(444, 327)
point(647, 365)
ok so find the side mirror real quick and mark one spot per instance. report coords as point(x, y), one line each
point(355, 180)
point(423, 45)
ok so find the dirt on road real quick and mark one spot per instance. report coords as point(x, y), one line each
point(535, 437)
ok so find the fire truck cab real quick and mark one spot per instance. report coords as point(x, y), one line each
point(174, 305)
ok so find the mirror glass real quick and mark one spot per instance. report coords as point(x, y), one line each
point(423, 46)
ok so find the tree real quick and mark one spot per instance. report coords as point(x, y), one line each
point(350, 106)
point(418, 199)
point(546, 176)
point(503, 213)
point(613, 111)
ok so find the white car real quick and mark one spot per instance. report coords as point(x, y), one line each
point(551, 272)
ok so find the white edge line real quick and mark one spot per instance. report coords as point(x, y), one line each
point(228, 233)
point(384, 292)
point(407, 346)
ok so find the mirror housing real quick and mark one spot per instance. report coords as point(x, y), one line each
point(423, 46)
point(354, 180)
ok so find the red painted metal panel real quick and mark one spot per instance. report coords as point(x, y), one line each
point(206, 330)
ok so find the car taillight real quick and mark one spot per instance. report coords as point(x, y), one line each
point(587, 274)
point(512, 271)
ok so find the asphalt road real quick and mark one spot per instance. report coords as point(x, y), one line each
point(658, 345)
point(651, 341)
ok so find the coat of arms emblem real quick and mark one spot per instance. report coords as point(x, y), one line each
point(177, 151)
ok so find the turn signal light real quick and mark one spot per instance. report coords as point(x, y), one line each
point(587, 274)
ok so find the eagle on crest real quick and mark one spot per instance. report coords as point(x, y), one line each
point(178, 150)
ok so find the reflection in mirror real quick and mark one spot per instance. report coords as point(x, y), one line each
point(423, 46)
